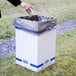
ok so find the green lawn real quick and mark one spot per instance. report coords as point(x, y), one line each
point(63, 10)
point(65, 60)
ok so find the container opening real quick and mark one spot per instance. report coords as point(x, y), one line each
point(37, 18)
point(32, 18)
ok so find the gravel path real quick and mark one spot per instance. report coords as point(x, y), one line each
point(66, 26)
point(8, 46)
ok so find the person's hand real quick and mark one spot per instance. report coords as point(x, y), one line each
point(26, 6)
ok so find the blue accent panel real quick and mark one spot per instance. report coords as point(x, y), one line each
point(46, 61)
point(25, 61)
point(52, 58)
point(18, 59)
point(35, 32)
point(36, 66)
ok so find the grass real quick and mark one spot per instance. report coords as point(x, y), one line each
point(65, 60)
point(6, 29)
point(63, 10)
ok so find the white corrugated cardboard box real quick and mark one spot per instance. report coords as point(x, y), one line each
point(35, 52)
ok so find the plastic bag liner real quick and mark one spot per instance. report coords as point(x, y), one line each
point(35, 24)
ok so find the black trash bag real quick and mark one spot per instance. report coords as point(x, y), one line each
point(35, 23)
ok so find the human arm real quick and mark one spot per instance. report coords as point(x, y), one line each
point(15, 2)
point(24, 5)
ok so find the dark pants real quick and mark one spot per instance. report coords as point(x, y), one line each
point(0, 13)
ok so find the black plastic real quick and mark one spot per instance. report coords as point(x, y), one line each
point(35, 23)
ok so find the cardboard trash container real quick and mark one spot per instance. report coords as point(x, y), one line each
point(35, 41)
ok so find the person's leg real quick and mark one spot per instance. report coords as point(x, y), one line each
point(0, 13)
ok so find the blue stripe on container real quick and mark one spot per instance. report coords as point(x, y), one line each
point(32, 31)
point(36, 66)
point(52, 58)
point(25, 61)
point(18, 59)
point(46, 61)
point(33, 65)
